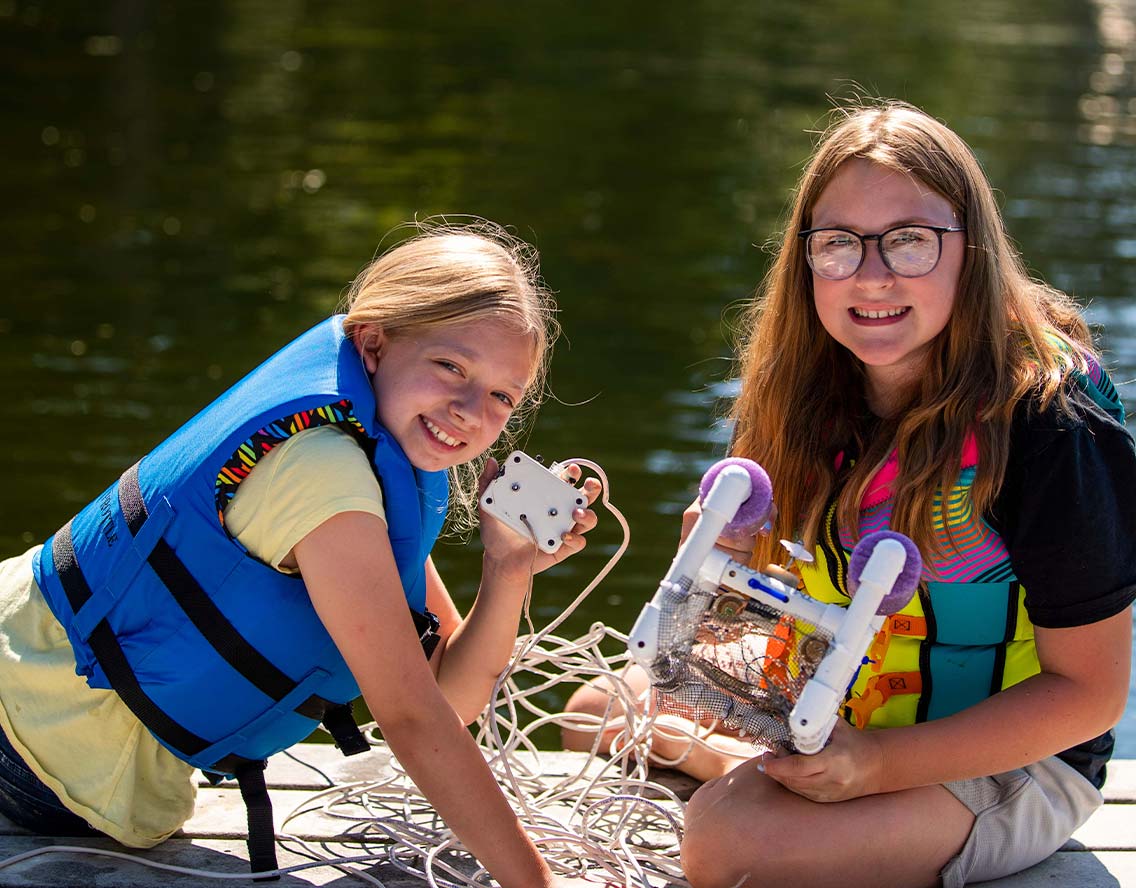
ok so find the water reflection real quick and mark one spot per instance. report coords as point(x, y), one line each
point(197, 184)
point(1108, 115)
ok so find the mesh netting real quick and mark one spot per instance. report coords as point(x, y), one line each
point(725, 656)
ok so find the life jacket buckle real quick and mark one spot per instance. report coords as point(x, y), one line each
point(426, 625)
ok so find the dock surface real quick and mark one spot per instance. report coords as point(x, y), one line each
point(1101, 853)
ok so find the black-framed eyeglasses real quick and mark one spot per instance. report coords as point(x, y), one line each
point(836, 254)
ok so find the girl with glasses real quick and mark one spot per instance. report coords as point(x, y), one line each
point(900, 370)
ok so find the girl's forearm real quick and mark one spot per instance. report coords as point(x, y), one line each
point(480, 647)
point(444, 762)
point(352, 578)
point(1032, 720)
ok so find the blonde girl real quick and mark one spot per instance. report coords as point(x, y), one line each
point(270, 560)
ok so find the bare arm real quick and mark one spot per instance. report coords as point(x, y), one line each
point(1079, 693)
point(480, 647)
point(350, 573)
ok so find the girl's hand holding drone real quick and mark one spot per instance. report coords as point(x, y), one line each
point(513, 553)
point(738, 547)
point(847, 768)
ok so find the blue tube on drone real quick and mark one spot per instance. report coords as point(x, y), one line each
point(721, 571)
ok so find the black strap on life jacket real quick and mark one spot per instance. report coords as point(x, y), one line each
point(339, 721)
point(109, 652)
point(426, 624)
point(261, 830)
point(110, 655)
point(245, 659)
point(201, 610)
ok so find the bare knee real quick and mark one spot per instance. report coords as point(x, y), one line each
point(734, 859)
point(708, 850)
point(711, 856)
point(592, 704)
point(729, 842)
point(597, 708)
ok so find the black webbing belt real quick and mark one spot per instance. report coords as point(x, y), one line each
point(111, 657)
point(261, 830)
point(229, 643)
point(426, 625)
point(245, 659)
point(203, 612)
point(104, 644)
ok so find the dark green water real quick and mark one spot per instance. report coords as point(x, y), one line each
point(189, 185)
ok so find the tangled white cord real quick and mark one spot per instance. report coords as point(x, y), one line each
point(607, 818)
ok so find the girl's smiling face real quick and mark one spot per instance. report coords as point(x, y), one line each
point(445, 393)
point(886, 321)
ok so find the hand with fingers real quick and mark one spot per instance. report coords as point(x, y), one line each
point(739, 547)
point(847, 768)
point(506, 547)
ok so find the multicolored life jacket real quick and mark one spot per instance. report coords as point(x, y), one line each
point(966, 634)
point(221, 656)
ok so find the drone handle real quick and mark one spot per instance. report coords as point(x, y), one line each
point(730, 489)
point(815, 714)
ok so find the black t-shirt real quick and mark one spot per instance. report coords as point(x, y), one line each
point(1067, 514)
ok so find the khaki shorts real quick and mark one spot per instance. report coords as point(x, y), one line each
point(1021, 817)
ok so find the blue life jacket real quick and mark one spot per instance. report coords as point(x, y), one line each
point(222, 657)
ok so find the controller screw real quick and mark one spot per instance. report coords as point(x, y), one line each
point(553, 512)
point(516, 459)
point(488, 500)
point(516, 486)
point(552, 542)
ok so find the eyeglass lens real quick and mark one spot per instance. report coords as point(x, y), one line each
point(908, 252)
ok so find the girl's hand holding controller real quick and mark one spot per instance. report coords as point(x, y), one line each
point(511, 551)
point(849, 767)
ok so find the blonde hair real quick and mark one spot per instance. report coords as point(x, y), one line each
point(450, 273)
point(1007, 336)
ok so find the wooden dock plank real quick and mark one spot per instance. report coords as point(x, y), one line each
point(1111, 828)
point(219, 856)
point(1071, 869)
point(1121, 783)
point(1101, 853)
point(302, 770)
point(307, 767)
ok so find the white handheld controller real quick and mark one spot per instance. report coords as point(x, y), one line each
point(535, 502)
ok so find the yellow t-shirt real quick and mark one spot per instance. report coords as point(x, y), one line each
point(83, 742)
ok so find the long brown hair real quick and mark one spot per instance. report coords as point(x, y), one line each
point(802, 394)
